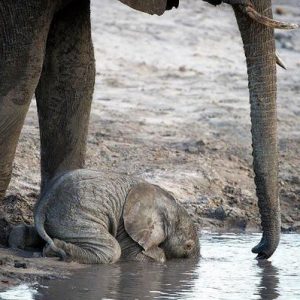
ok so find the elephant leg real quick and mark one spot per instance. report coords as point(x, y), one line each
point(24, 27)
point(65, 90)
point(102, 250)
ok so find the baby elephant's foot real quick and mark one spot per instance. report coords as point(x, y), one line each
point(57, 249)
point(92, 253)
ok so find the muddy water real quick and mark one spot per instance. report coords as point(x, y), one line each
point(227, 270)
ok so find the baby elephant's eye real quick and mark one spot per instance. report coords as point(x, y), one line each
point(189, 245)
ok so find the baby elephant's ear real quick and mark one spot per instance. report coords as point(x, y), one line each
point(145, 213)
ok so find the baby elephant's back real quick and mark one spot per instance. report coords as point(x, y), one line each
point(83, 202)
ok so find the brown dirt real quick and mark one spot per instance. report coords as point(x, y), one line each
point(171, 104)
point(20, 266)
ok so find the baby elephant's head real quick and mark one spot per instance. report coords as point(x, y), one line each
point(182, 240)
point(159, 224)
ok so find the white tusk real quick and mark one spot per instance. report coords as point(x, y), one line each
point(280, 62)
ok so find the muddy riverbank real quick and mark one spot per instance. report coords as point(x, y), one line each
point(171, 105)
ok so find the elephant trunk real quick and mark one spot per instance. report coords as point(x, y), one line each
point(259, 46)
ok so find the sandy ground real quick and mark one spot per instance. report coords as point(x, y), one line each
point(171, 104)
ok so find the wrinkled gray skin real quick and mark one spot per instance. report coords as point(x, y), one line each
point(46, 49)
point(99, 217)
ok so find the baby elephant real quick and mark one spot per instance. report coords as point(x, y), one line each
point(100, 217)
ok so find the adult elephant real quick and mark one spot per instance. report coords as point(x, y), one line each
point(46, 49)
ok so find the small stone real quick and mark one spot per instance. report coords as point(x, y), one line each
point(192, 150)
point(200, 143)
point(182, 69)
point(19, 264)
point(5, 281)
point(229, 189)
point(295, 180)
point(37, 254)
point(198, 211)
point(220, 213)
point(280, 10)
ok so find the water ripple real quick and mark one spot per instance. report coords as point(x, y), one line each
point(227, 270)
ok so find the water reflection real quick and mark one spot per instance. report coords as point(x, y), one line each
point(91, 283)
point(126, 281)
point(169, 281)
point(226, 271)
point(268, 288)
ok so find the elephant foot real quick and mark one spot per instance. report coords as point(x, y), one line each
point(265, 248)
point(50, 251)
point(86, 255)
